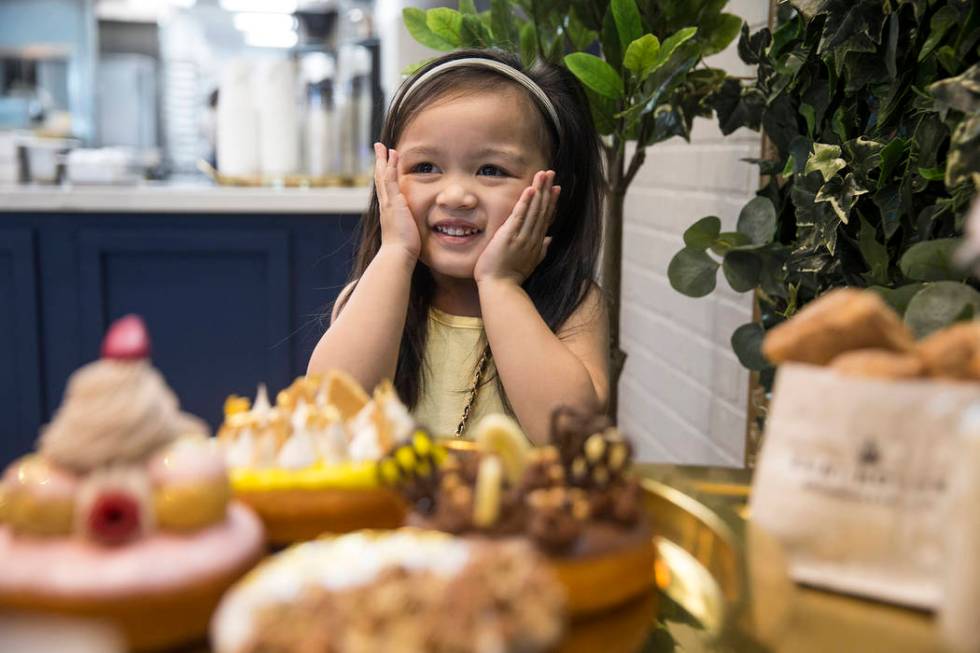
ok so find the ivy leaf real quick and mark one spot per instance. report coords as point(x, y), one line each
point(415, 23)
point(596, 74)
point(446, 23)
point(889, 203)
point(751, 49)
point(742, 270)
point(853, 27)
point(747, 345)
point(703, 233)
point(692, 272)
point(875, 254)
point(863, 156)
point(940, 304)
point(842, 195)
point(826, 160)
point(963, 160)
point(502, 23)
point(629, 25)
point(720, 31)
point(737, 107)
point(890, 156)
point(931, 260)
point(757, 220)
point(641, 55)
point(940, 23)
point(961, 92)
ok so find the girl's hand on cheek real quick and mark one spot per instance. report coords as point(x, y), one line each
point(398, 228)
point(520, 243)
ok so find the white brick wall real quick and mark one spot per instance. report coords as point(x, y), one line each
point(683, 393)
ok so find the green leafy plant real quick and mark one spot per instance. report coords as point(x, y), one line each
point(640, 62)
point(872, 109)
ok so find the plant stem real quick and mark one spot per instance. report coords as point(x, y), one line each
point(612, 263)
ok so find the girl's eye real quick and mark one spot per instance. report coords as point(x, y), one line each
point(423, 168)
point(491, 171)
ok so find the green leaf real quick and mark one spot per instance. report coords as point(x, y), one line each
point(719, 33)
point(692, 272)
point(891, 156)
point(728, 240)
point(961, 92)
point(757, 220)
point(596, 74)
point(529, 44)
point(940, 23)
point(741, 270)
point(629, 25)
point(747, 345)
point(502, 23)
point(603, 111)
point(898, 298)
point(940, 304)
point(415, 23)
point(889, 203)
point(612, 50)
point(446, 23)
point(581, 36)
point(811, 118)
point(672, 42)
point(703, 233)
point(826, 159)
point(474, 33)
point(931, 260)
point(875, 254)
point(932, 174)
point(467, 7)
point(641, 55)
point(842, 195)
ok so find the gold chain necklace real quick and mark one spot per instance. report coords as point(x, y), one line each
point(481, 367)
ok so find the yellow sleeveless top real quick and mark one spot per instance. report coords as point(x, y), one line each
point(453, 349)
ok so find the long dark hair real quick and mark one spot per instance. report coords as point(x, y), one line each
point(560, 282)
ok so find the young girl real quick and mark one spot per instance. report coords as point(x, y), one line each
point(473, 285)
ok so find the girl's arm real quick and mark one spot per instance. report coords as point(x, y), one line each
point(363, 339)
point(541, 370)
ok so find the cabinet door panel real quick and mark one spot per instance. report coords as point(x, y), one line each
point(20, 380)
point(217, 305)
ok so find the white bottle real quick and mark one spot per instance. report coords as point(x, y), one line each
point(236, 136)
point(274, 88)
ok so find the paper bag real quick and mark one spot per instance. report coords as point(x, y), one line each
point(852, 477)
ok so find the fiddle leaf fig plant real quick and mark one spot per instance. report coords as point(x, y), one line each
point(641, 63)
point(872, 110)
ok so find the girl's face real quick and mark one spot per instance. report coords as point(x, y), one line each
point(463, 164)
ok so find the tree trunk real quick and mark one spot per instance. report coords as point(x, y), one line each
point(612, 266)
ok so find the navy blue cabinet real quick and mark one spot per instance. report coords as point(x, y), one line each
point(230, 301)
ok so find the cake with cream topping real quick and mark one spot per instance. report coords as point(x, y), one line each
point(409, 590)
point(124, 511)
point(308, 464)
point(574, 499)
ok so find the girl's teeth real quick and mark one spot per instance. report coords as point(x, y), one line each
point(456, 231)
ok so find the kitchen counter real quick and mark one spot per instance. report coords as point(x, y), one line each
point(190, 198)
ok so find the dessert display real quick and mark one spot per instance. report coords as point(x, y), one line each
point(308, 464)
point(408, 590)
point(573, 499)
point(123, 514)
point(860, 441)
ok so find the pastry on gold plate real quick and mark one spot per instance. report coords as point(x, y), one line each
point(124, 513)
point(409, 590)
point(308, 464)
point(573, 499)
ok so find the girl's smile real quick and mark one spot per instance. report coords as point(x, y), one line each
point(464, 162)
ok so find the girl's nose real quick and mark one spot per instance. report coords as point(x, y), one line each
point(456, 194)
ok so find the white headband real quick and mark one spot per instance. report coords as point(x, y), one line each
point(501, 68)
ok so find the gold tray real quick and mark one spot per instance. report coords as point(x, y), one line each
point(283, 181)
